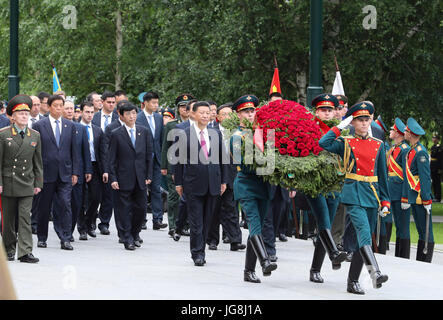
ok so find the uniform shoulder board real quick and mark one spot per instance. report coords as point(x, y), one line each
point(404, 146)
point(419, 148)
point(33, 131)
point(378, 140)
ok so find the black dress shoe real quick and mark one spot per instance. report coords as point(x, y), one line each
point(237, 246)
point(226, 240)
point(171, 232)
point(250, 276)
point(66, 246)
point(138, 239)
point(129, 246)
point(315, 277)
point(29, 258)
point(92, 233)
point(349, 256)
point(144, 227)
point(186, 233)
point(11, 256)
point(159, 225)
point(104, 231)
point(41, 244)
point(72, 239)
point(354, 287)
point(176, 236)
point(212, 246)
point(83, 236)
point(199, 262)
point(282, 237)
point(273, 258)
point(137, 243)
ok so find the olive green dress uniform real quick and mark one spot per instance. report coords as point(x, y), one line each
point(21, 170)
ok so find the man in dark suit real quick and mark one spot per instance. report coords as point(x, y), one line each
point(4, 121)
point(153, 121)
point(92, 188)
point(85, 169)
point(201, 176)
point(212, 120)
point(61, 165)
point(224, 211)
point(130, 159)
point(44, 108)
point(102, 119)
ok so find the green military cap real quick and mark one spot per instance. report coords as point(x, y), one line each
point(20, 102)
point(183, 99)
point(248, 101)
point(413, 127)
point(361, 109)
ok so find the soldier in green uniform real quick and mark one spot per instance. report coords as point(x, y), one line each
point(21, 177)
point(417, 173)
point(395, 158)
point(252, 192)
point(365, 190)
point(182, 114)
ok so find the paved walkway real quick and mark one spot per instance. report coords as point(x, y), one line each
point(162, 269)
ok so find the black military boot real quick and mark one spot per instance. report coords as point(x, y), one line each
point(260, 251)
point(250, 261)
point(354, 274)
point(405, 248)
point(388, 234)
point(420, 246)
point(371, 263)
point(382, 244)
point(336, 257)
point(398, 243)
point(317, 261)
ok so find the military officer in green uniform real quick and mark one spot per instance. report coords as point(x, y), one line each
point(417, 173)
point(253, 193)
point(395, 159)
point(182, 114)
point(21, 177)
point(365, 192)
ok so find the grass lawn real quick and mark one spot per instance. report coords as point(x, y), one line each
point(437, 209)
point(437, 228)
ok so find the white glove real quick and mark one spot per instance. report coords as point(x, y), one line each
point(405, 206)
point(383, 212)
point(428, 208)
point(345, 122)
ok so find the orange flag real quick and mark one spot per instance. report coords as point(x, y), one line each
point(275, 85)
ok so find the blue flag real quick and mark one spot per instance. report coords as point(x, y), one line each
point(55, 82)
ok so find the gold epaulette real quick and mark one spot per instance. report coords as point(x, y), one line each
point(404, 146)
point(419, 148)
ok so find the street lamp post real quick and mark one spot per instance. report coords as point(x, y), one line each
point(13, 78)
point(315, 51)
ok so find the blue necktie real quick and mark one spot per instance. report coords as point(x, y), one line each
point(106, 120)
point(57, 133)
point(151, 124)
point(91, 144)
point(132, 137)
point(87, 130)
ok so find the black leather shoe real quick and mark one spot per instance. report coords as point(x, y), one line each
point(186, 233)
point(72, 239)
point(138, 239)
point(83, 236)
point(92, 233)
point(176, 236)
point(104, 231)
point(250, 276)
point(226, 240)
point(159, 225)
point(144, 227)
point(137, 243)
point(66, 246)
point(273, 258)
point(171, 232)
point(199, 262)
point(41, 244)
point(282, 237)
point(237, 246)
point(129, 246)
point(11, 256)
point(354, 287)
point(212, 246)
point(349, 256)
point(315, 276)
point(29, 258)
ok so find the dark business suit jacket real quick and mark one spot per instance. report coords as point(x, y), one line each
point(128, 165)
point(104, 145)
point(157, 139)
point(63, 161)
point(81, 139)
point(199, 179)
point(4, 121)
point(98, 137)
point(97, 118)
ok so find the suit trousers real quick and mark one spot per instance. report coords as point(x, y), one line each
point(225, 213)
point(106, 206)
point(60, 192)
point(182, 214)
point(13, 207)
point(76, 207)
point(200, 209)
point(92, 193)
point(130, 208)
point(156, 195)
point(34, 211)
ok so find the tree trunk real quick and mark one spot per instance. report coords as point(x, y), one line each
point(119, 45)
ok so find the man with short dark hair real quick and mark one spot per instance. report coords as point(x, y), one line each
point(60, 171)
point(44, 108)
point(130, 159)
point(212, 120)
point(120, 95)
point(150, 119)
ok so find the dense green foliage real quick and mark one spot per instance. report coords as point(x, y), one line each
point(222, 49)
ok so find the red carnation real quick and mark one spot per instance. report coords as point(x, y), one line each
point(282, 151)
point(304, 153)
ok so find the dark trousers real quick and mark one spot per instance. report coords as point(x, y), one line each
point(200, 209)
point(272, 220)
point(92, 193)
point(182, 214)
point(156, 195)
point(76, 207)
point(61, 193)
point(130, 208)
point(106, 206)
point(436, 184)
point(225, 213)
point(34, 211)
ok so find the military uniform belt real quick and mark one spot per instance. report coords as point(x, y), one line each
point(357, 177)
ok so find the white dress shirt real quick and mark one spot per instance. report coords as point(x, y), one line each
point(90, 139)
point(103, 120)
point(53, 124)
point(147, 115)
point(30, 121)
point(128, 129)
